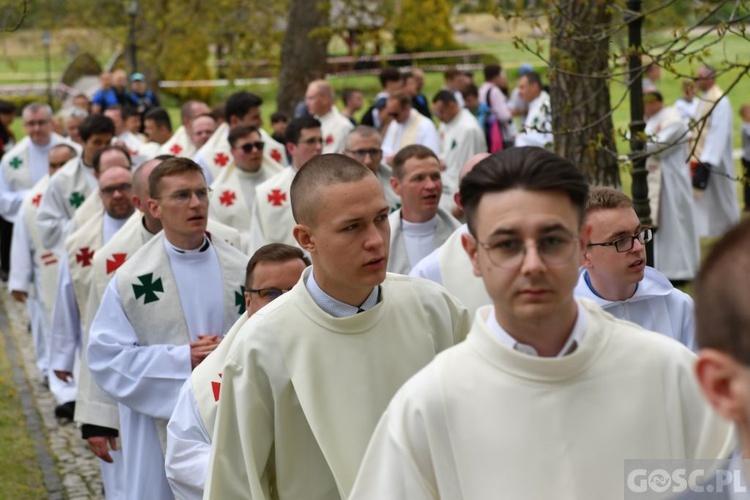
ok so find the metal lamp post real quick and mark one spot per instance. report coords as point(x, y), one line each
point(132, 11)
point(637, 126)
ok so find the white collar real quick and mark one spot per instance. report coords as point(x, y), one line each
point(575, 338)
point(335, 307)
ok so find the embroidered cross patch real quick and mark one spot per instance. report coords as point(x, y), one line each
point(227, 198)
point(216, 388)
point(148, 287)
point(276, 155)
point(239, 300)
point(76, 199)
point(36, 200)
point(115, 262)
point(176, 149)
point(276, 198)
point(221, 159)
point(84, 256)
point(15, 163)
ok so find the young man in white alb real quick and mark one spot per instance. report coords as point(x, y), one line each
point(545, 386)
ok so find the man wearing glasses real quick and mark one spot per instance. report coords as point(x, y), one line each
point(616, 277)
point(163, 312)
point(407, 126)
point(235, 186)
point(272, 219)
point(546, 388)
point(363, 144)
point(272, 271)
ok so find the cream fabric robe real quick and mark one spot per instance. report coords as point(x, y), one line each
point(485, 418)
point(301, 391)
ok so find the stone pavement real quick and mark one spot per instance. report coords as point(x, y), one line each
point(73, 471)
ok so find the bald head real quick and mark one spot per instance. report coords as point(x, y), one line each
point(140, 178)
point(470, 164)
point(319, 97)
point(316, 174)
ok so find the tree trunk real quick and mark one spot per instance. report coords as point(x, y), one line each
point(303, 52)
point(579, 91)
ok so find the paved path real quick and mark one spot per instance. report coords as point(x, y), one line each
point(70, 470)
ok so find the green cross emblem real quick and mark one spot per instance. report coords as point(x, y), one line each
point(76, 199)
point(239, 300)
point(398, 205)
point(15, 162)
point(148, 287)
point(454, 144)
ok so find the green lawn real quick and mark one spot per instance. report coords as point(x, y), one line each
point(20, 476)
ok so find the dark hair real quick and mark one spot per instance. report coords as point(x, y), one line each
point(470, 90)
point(533, 77)
point(171, 166)
point(160, 118)
point(96, 161)
point(529, 168)
point(217, 112)
point(492, 71)
point(240, 103)
point(389, 74)
point(653, 92)
point(403, 99)
point(96, 124)
point(451, 73)
point(7, 107)
point(347, 94)
point(413, 151)
point(722, 305)
point(240, 132)
point(444, 96)
point(129, 111)
point(294, 129)
point(272, 252)
point(279, 116)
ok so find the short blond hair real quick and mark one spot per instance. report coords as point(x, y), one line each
point(604, 198)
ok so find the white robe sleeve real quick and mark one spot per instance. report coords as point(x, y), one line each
point(21, 259)
point(65, 330)
point(429, 137)
point(429, 268)
point(10, 201)
point(716, 141)
point(256, 238)
point(188, 447)
point(243, 435)
point(200, 159)
point(53, 219)
point(145, 378)
point(398, 464)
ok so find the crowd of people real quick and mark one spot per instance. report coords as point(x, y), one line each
point(375, 308)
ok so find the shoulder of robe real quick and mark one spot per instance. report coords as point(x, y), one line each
point(90, 226)
point(17, 149)
point(136, 262)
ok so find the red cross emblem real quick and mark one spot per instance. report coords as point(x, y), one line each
point(276, 198)
point(36, 200)
point(329, 140)
point(48, 259)
point(84, 256)
point(276, 155)
point(227, 198)
point(221, 159)
point(216, 388)
point(176, 149)
point(115, 262)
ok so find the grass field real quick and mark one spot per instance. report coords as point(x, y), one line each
point(20, 476)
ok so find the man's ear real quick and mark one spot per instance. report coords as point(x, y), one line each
point(247, 300)
point(153, 208)
point(304, 237)
point(396, 186)
point(721, 379)
point(470, 247)
point(583, 241)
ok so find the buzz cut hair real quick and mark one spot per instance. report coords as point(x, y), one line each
point(412, 151)
point(321, 171)
point(272, 252)
point(169, 167)
point(606, 198)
